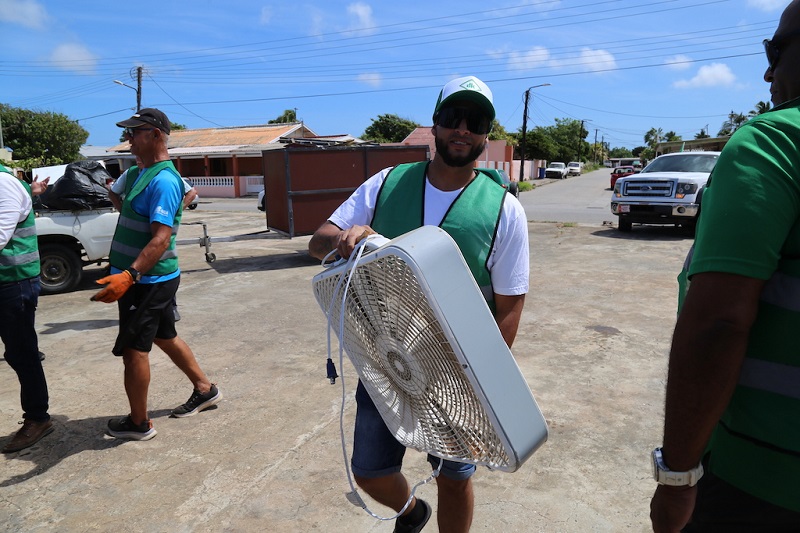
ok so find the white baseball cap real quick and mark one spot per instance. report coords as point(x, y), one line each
point(466, 88)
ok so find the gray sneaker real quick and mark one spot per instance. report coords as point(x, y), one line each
point(198, 402)
point(124, 428)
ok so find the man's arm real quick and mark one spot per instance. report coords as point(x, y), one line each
point(708, 348)
point(189, 197)
point(116, 200)
point(508, 311)
point(329, 237)
point(154, 249)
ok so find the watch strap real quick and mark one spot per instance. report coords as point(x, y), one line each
point(664, 476)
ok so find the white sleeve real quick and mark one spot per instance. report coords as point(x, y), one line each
point(359, 209)
point(15, 204)
point(118, 187)
point(509, 262)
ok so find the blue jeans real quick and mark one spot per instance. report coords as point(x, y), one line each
point(18, 301)
point(377, 453)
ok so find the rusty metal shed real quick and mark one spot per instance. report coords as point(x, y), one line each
point(305, 184)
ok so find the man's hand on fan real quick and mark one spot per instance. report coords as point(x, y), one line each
point(347, 239)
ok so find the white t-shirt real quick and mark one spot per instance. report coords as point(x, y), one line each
point(15, 204)
point(509, 260)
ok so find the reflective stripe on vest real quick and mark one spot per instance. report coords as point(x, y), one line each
point(133, 231)
point(19, 259)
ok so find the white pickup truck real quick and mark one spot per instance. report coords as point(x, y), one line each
point(668, 191)
point(70, 240)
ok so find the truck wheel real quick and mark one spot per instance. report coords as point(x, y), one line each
point(191, 207)
point(513, 188)
point(624, 225)
point(61, 268)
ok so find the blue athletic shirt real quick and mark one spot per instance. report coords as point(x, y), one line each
point(161, 199)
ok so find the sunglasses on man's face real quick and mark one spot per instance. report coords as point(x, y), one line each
point(130, 132)
point(451, 117)
point(772, 47)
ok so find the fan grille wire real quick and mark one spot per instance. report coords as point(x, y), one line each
point(403, 356)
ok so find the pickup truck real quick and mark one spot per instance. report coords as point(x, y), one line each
point(668, 191)
point(70, 240)
point(556, 170)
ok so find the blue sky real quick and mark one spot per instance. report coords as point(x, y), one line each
point(623, 66)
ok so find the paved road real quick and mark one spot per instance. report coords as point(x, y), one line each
point(581, 199)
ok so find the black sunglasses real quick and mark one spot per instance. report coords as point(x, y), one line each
point(773, 47)
point(130, 131)
point(451, 117)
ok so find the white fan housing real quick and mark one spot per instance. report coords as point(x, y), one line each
point(428, 350)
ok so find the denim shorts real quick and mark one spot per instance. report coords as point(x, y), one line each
point(376, 453)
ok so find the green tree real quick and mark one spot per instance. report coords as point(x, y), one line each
point(389, 128)
point(671, 136)
point(290, 115)
point(734, 122)
point(564, 141)
point(174, 126)
point(620, 151)
point(539, 145)
point(499, 133)
point(761, 107)
point(702, 135)
point(46, 137)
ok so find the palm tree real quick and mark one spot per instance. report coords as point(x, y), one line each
point(653, 137)
point(734, 122)
point(761, 107)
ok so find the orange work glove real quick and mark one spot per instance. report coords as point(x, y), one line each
point(116, 285)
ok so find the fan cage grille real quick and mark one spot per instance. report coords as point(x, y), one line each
point(407, 364)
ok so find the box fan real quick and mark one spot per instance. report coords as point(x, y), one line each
point(423, 341)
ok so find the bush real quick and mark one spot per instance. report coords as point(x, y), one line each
point(525, 186)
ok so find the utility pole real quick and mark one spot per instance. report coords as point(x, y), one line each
point(525, 131)
point(594, 154)
point(580, 137)
point(138, 88)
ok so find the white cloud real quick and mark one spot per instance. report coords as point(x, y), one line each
point(767, 5)
point(678, 62)
point(361, 20)
point(372, 79)
point(713, 75)
point(28, 13)
point(265, 16)
point(75, 57)
point(597, 60)
point(537, 56)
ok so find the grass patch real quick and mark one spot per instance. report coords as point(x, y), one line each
point(525, 186)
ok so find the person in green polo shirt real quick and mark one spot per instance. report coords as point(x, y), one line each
point(19, 296)
point(730, 459)
point(490, 228)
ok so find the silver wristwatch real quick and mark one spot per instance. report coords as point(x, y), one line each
point(665, 476)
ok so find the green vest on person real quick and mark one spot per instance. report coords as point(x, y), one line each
point(133, 230)
point(19, 259)
point(759, 454)
point(471, 220)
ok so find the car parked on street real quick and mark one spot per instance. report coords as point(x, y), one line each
point(556, 170)
point(620, 172)
point(574, 168)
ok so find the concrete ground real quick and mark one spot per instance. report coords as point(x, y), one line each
point(593, 346)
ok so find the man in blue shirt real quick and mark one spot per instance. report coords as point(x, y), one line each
point(145, 276)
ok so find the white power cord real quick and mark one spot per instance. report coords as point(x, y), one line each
point(370, 243)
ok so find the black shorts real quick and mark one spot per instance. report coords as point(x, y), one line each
point(145, 313)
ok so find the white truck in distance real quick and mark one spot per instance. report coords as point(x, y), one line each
point(667, 191)
point(70, 240)
point(556, 170)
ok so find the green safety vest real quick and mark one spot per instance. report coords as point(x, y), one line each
point(19, 259)
point(133, 230)
point(761, 455)
point(471, 220)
